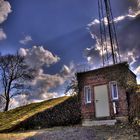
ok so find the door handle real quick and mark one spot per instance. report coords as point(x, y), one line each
point(96, 100)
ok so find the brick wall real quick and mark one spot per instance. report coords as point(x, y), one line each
point(104, 76)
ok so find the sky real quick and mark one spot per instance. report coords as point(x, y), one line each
point(59, 36)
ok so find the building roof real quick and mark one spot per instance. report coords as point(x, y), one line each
point(107, 67)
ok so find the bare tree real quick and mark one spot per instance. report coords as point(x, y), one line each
point(13, 73)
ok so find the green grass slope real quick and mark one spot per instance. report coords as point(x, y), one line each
point(10, 119)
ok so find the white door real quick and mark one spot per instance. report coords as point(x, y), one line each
point(101, 101)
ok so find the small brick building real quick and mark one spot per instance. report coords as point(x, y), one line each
point(103, 92)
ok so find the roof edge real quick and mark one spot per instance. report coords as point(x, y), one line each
point(113, 65)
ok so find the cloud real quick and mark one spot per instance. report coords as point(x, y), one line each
point(2, 34)
point(132, 11)
point(137, 71)
point(26, 40)
point(92, 55)
point(135, 5)
point(94, 22)
point(68, 71)
point(45, 86)
point(5, 9)
point(23, 51)
point(18, 101)
point(128, 36)
point(65, 70)
point(36, 57)
point(130, 16)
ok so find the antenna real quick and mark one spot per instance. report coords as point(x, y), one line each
point(108, 35)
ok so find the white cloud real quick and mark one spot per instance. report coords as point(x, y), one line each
point(18, 100)
point(2, 34)
point(131, 15)
point(119, 18)
point(68, 71)
point(137, 70)
point(94, 22)
point(37, 56)
point(26, 40)
point(23, 51)
point(131, 57)
point(94, 53)
point(5, 9)
point(133, 12)
point(43, 83)
point(49, 95)
point(43, 86)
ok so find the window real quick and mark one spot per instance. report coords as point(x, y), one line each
point(114, 90)
point(87, 93)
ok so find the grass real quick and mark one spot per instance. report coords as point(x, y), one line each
point(13, 117)
point(17, 136)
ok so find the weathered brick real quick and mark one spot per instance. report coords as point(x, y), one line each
point(120, 73)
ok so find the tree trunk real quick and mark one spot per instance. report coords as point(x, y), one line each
point(6, 105)
point(8, 98)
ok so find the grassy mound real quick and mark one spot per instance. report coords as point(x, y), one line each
point(54, 112)
point(13, 117)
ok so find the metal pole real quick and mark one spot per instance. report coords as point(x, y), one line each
point(109, 29)
point(101, 33)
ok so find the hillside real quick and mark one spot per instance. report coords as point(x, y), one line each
point(14, 119)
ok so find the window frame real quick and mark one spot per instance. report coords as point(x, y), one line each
point(86, 94)
point(112, 93)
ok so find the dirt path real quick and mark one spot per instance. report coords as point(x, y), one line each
point(77, 133)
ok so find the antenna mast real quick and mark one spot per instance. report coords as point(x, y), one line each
point(108, 36)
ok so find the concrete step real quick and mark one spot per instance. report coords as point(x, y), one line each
point(98, 122)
